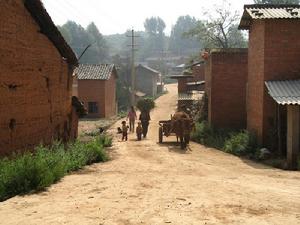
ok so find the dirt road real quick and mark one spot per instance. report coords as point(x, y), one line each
point(148, 183)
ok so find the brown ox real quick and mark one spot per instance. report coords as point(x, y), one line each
point(182, 126)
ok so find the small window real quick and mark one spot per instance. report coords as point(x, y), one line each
point(93, 107)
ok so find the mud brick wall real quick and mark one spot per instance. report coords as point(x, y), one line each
point(110, 96)
point(101, 91)
point(274, 53)
point(226, 76)
point(35, 83)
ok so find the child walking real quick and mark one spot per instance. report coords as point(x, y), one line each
point(124, 131)
point(139, 131)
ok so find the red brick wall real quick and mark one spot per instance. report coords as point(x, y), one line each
point(198, 73)
point(182, 86)
point(227, 77)
point(255, 85)
point(35, 83)
point(92, 91)
point(100, 91)
point(274, 53)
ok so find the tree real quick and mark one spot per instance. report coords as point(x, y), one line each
point(155, 41)
point(180, 44)
point(79, 38)
point(99, 50)
point(275, 2)
point(219, 31)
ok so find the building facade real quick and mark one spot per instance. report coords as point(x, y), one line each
point(274, 53)
point(146, 80)
point(35, 78)
point(225, 85)
point(97, 89)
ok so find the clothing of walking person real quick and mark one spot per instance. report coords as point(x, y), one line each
point(132, 117)
point(144, 118)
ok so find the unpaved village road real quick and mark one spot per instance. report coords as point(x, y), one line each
point(148, 183)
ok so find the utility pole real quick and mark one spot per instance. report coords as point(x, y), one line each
point(133, 49)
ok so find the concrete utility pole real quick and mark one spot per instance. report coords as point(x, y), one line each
point(133, 49)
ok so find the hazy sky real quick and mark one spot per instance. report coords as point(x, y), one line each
point(116, 16)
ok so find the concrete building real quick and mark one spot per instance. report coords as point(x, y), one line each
point(35, 78)
point(146, 80)
point(274, 54)
point(225, 85)
point(97, 89)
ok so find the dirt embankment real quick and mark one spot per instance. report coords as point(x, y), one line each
point(151, 183)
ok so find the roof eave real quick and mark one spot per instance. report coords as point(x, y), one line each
point(50, 30)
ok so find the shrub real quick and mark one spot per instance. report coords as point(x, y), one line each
point(230, 141)
point(38, 170)
point(145, 104)
point(209, 136)
point(241, 143)
point(105, 140)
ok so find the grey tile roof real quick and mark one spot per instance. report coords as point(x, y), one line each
point(94, 72)
point(149, 69)
point(266, 11)
point(284, 92)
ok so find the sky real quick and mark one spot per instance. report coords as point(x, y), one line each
point(117, 16)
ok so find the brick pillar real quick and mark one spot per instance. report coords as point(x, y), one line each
point(182, 85)
point(292, 136)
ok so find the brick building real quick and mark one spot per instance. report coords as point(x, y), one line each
point(197, 81)
point(274, 54)
point(225, 85)
point(146, 80)
point(35, 78)
point(97, 89)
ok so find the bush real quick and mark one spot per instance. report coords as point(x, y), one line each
point(234, 142)
point(145, 104)
point(241, 143)
point(36, 171)
point(207, 135)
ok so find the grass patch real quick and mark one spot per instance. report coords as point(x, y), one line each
point(47, 165)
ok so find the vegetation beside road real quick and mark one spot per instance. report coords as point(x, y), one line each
point(28, 172)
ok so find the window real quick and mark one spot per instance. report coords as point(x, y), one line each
point(93, 107)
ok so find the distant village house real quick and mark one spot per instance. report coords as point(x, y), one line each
point(146, 80)
point(96, 87)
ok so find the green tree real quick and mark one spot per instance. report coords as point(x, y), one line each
point(180, 44)
point(79, 38)
point(220, 30)
point(99, 50)
point(155, 40)
point(275, 2)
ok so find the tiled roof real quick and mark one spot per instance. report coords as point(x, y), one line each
point(284, 92)
point(94, 72)
point(266, 11)
point(148, 68)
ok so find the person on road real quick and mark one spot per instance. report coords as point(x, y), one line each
point(139, 131)
point(124, 131)
point(132, 117)
point(144, 118)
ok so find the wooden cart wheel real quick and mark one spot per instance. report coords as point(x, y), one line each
point(160, 135)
